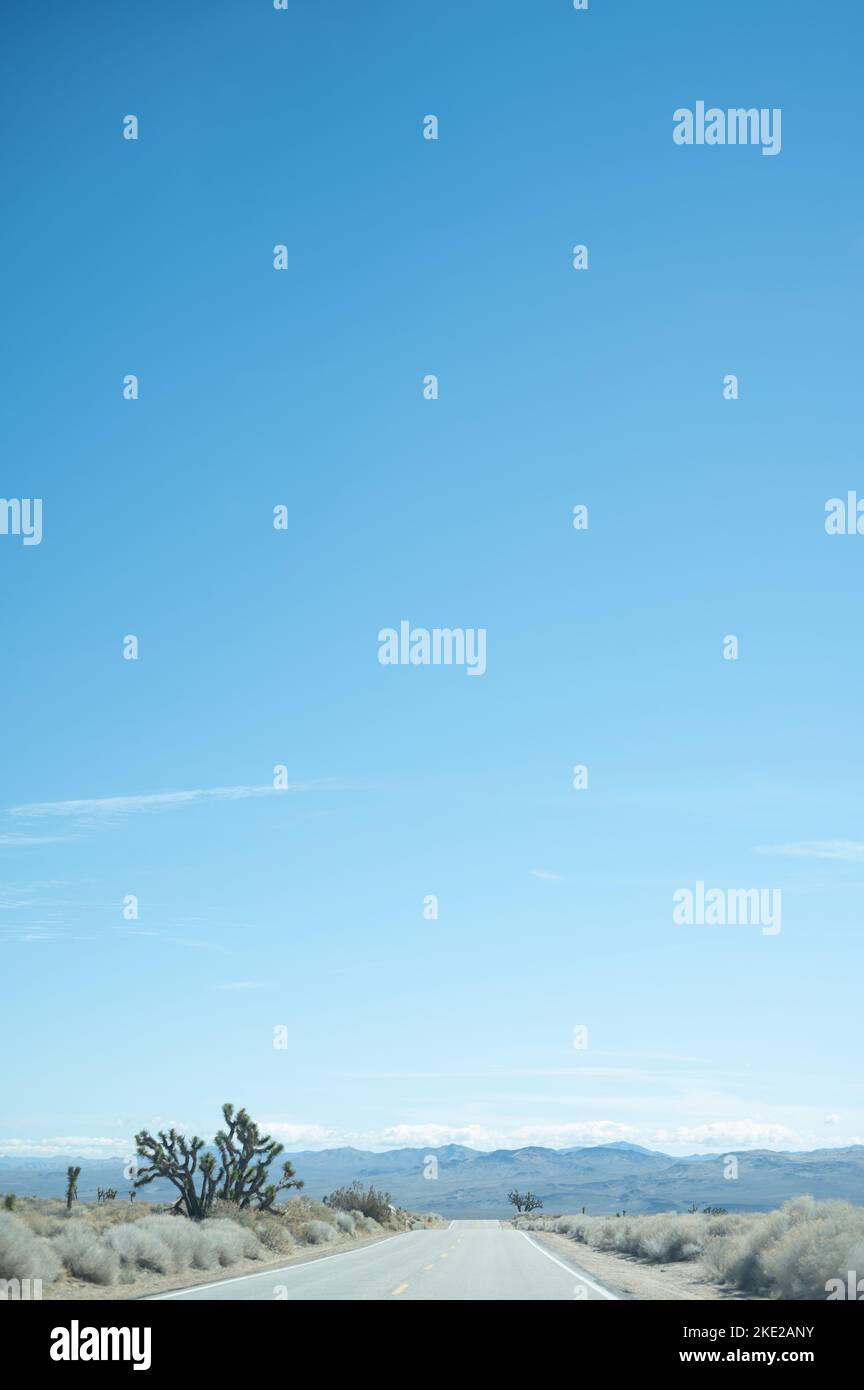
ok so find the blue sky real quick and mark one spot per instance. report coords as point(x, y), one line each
point(303, 908)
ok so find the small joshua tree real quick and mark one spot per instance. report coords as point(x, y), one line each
point(524, 1201)
point(72, 1176)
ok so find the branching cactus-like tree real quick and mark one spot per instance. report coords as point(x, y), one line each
point(246, 1156)
point(241, 1178)
point(178, 1159)
point(524, 1201)
point(72, 1176)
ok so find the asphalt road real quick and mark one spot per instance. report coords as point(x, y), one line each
point(470, 1260)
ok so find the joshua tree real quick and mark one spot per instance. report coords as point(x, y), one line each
point(241, 1178)
point(72, 1176)
point(246, 1156)
point(524, 1201)
point(171, 1155)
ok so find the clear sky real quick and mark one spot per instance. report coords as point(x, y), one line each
point(303, 909)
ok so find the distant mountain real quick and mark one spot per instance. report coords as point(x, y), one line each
point(629, 1148)
point(459, 1181)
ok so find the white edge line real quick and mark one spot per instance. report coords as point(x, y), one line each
point(576, 1274)
point(265, 1273)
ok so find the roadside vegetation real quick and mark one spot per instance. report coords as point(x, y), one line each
point(791, 1253)
point(226, 1215)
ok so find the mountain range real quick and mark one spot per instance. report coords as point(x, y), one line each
point(459, 1181)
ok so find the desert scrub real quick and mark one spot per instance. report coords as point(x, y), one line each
point(792, 1253)
point(370, 1202)
point(270, 1228)
point(85, 1256)
point(576, 1227)
point(140, 1248)
point(318, 1232)
point(122, 1251)
point(230, 1241)
point(299, 1211)
point(24, 1255)
point(667, 1239)
point(369, 1226)
point(44, 1225)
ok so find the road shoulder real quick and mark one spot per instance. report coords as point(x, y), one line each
point(630, 1278)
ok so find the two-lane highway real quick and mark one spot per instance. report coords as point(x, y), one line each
point(469, 1260)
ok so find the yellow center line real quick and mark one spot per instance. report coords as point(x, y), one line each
point(400, 1288)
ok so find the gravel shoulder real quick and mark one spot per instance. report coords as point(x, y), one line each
point(631, 1278)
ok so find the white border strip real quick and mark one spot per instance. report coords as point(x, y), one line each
point(575, 1273)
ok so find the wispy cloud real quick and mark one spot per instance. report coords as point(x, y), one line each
point(20, 840)
point(849, 850)
point(116, 807)
point(111, 807)
point(547, 875)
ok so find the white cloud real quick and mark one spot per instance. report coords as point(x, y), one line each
point(849, 850)
point(435, 1135)
point(307, 1135)
point(723, 1135)
point(243, 984)
point(832, 1119)
point(546, 875)
point(754, 1134)
point(75, 1146)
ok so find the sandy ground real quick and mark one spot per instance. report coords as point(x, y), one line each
point(69, 1290)
point(632, 1278)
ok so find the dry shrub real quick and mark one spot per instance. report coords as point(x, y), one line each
point(24, 1255)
